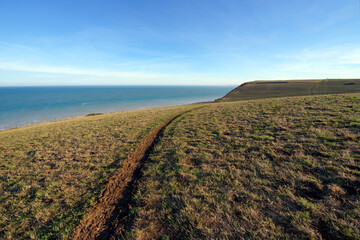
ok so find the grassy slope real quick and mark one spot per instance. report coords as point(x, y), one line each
point(284, 168)
point(270, 89)
point(50, 173)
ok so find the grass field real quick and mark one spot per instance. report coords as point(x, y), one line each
point(50, 173)
point(283, 168)
point(271, 89)
point(286, 168)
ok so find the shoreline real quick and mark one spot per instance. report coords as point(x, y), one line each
point(94, 114)
point(21, 107)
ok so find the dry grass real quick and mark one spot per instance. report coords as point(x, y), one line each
point(284, 168)
point(51, 173)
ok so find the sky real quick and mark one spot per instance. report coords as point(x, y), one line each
point(176, 42)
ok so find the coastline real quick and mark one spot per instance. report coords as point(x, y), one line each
point(20, 107)
point(95, 114)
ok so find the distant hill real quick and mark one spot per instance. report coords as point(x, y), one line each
point(286, 88)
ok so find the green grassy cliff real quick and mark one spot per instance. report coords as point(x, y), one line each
point(276, 168)
point(51, 173)
point(285, 168)
point(271, 89)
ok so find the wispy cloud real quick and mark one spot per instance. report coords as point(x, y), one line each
point(352, 57)
point(333, 62)
point(331, 54)
point(76, 71)
point(336, 55)
point(7, 45)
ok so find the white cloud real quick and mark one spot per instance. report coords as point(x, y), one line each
point(332, 54)
point(332, 62)
point(352, 57)
point(76, 71)
point(6, 45)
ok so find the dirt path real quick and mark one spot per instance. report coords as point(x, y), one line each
point(311, 92)
point(108, 217)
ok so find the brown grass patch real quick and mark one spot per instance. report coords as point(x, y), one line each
point(51, 173)
point(270, 169)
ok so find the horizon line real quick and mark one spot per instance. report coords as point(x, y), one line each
point(120, 85)
point(177, 85)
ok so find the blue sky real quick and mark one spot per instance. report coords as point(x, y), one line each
point(195, 42)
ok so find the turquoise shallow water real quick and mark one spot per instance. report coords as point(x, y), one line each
point(20, 106)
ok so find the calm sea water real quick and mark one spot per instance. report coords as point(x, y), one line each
point(21, 106)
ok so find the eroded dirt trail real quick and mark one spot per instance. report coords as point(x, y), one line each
point(108, 217)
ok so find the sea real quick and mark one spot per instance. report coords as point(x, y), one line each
point(21, 106)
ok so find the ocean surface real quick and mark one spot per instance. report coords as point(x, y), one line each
point(20, 106)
